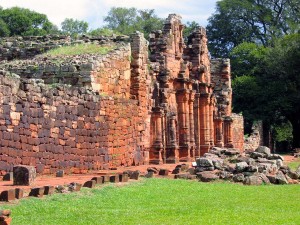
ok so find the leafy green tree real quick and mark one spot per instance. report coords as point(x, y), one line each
point(74, 27)
point(189, 28)
point(256, 21)
point(147, 22)
point(281, 81)
point(128, 20)
point(20, 21)
point(121, 19)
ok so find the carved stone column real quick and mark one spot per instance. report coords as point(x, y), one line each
point(219, 132)
point(172, 154)
point(192, 128)
point(211, 120)
point(204, 123)
point(183, 120)
point(157, 146)
point(197, 124)
point(228, 132)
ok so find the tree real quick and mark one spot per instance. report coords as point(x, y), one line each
point(121, 19)
point(147, 22)
point(255, 21)
point(128, 20)
point(189, 28)
point(20, 21)
point(281, 80)
point(74, 27)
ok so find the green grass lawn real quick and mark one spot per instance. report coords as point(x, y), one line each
point(295, 164)
point(79, 49)
point(163, 201)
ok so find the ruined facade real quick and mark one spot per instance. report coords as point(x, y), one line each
point(162, 101)
point(191, 110)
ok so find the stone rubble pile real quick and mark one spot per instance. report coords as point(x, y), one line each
point(256, 168)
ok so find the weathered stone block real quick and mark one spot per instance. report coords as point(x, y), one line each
point(24, 175)
point(204, 162)
point(123, 177)
point(8, 195)
point(163, 172)
point(114, 178)
point(207, 176)
point(49, 190)
point(8, 177)
point(90, 184)
point(19, 193)
point(99, 180)
point(37, 192)
point(60, 173)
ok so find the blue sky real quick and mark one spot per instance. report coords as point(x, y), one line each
point(93, 11)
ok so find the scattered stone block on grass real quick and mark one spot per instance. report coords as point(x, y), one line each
point(123, 177)
point(8, 195)
point(49, 190)
point(207, 176)
point(74, 187)
point(99, 180)
point(114, 178)
point(24, 175)
point(37, 192)
point(90, 184)
point(163, 172)
point(19, 193)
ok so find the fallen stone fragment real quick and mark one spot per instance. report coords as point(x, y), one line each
point(253, 180)
point(264, 150)
point(207, 176)
point(280, 178)
point(204, 162)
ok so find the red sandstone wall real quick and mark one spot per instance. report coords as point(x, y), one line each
point(238, 131)
point(66, 128)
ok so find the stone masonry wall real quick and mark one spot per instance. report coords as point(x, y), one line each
point(220, 76)
point(66, 128)
point(237, 131)
point(108, 74)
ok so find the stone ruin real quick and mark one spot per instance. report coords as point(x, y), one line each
point(162, 101)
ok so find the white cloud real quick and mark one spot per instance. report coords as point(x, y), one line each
point(93, 11)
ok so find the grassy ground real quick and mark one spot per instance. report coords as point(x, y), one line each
point(162, 201)
point(295, 164)
point(79, 50)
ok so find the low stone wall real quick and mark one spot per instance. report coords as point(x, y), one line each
point(67, 128)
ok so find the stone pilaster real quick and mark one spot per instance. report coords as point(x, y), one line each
point(219, 132)
point(192, 128)
point(204, 123)
point(156, 152)
point(228, 132)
